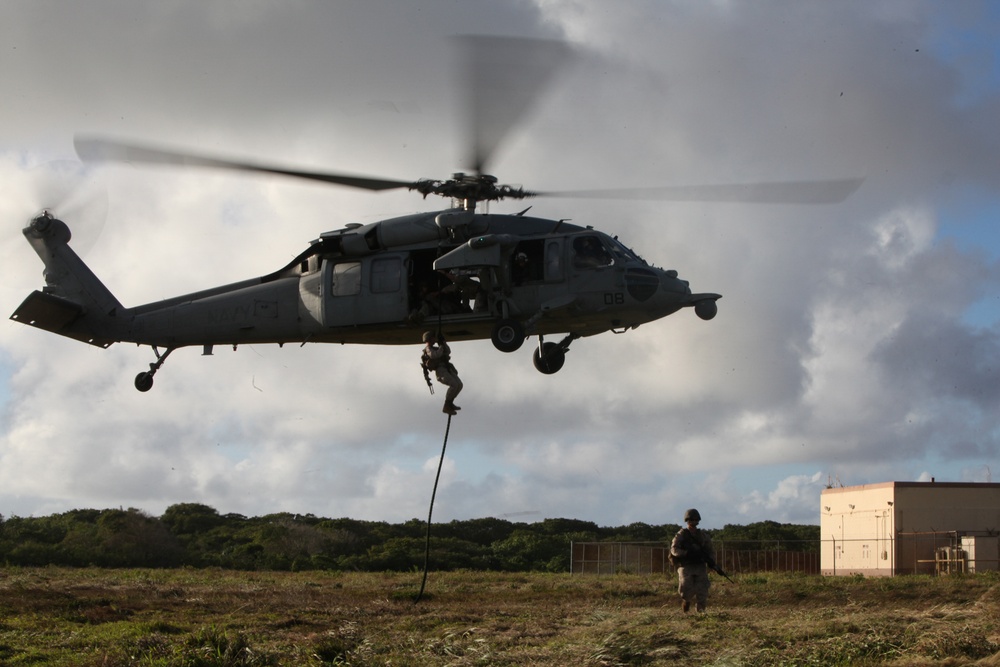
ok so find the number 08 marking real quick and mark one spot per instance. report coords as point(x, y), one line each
point(613, 298)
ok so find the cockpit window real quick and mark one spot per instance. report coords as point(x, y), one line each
point(621, 251)
point(590, 253)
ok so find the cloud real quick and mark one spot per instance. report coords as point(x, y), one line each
point(843, 345)
point(792, 500)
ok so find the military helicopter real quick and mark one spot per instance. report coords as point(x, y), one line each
point(464, 272)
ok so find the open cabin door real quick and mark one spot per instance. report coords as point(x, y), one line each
point(370, 290)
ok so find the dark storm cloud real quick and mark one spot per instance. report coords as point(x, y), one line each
point(932, 358)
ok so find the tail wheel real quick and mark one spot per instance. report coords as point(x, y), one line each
point(550, 358)
point(508, 335)
point(144, 381)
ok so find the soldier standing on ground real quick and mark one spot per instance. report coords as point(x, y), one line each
point(692, 553)
point(437, 358)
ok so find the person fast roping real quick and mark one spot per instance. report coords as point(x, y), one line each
point(437, 358)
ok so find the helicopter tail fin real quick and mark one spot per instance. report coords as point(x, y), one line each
point(74, 302)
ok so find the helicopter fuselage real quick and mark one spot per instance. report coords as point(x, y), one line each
point(465, 275)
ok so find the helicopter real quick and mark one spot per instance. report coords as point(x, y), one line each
point(465, 272)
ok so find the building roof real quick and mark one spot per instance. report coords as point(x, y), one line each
point(912, 485)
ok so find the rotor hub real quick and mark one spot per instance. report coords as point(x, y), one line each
point(470, 188)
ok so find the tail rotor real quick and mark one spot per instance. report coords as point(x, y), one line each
point(70, 190)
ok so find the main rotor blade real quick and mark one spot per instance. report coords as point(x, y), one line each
point(503, 77)
point(785, 192)
point(106, 150)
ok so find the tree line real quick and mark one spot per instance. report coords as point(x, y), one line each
point(196, 535)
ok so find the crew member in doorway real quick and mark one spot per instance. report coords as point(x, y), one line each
point(519, 271)
point(437, 358)
point(692, 553)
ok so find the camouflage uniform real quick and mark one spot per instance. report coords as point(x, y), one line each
point(692, 551)
point(437, 358)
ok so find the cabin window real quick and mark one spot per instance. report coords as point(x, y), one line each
point(590, 253)
point(553, 260)
point(386, 275)
point(346, 279)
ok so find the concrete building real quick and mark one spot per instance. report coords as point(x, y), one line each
point(909, 527)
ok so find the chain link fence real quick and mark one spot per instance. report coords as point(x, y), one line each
point(927, 552)
point(735, 557)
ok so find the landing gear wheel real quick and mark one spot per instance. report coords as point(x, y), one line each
point(508, 335)
point(144, 381)
point(550, 359)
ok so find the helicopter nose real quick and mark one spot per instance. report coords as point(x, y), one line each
point(672, 283)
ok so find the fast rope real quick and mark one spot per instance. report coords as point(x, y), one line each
point(427, 541)
point(444, 446)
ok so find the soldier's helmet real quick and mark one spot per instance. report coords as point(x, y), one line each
point(429, 336)
point(692, 515)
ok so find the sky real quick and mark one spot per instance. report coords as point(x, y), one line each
point(855, 343)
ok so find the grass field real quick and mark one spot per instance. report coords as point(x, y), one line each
point(195, 618)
